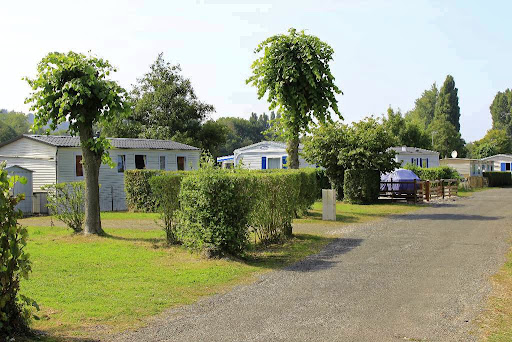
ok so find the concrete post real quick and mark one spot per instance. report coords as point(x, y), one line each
point(328, 205)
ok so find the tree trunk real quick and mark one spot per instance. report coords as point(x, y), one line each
point(293, 151)
point(91, 163)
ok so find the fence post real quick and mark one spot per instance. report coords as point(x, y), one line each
point(442, 187)
point(427, 190)
point(392, 191)
point(415, 192)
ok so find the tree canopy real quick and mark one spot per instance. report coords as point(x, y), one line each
point(501, 111)
point(405, 133)
point(75, 88)
point(495, 141)
point(447, 105)
point(294, 73)
point(424, 108)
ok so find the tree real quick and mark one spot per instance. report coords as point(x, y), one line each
point(447, 105)
point(74, 87)
point(501, 111)
point(424, 108)
point(495, 141)
point(165, 106)
point(446, 138)
point(294, 72)
point(362, 146)
point(6, 132)
point(405, 133)
point(17, 121)
point(212, 136)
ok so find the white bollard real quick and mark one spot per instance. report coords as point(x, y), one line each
point(328, 205)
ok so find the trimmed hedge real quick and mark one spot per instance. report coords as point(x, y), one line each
point(214, 211)
point(361, 186)
point(139, 196)
point(166, 189)
point(433, 173)
point(498, 178)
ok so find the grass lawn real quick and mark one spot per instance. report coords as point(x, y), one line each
point(90, 286)
point(496, 321)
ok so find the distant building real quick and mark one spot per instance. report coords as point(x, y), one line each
point(261, 156)
point(416, 156)
point(467, 167)
point(500, 162)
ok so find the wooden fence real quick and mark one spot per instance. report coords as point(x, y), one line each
point(418, 190)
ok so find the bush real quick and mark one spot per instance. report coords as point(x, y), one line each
point(308, 193)
point(361, 186)
point(214, 211)
point(433, 173)
point(498, 178)
point(67, 202)
point(275, 201)
point(322, 182)
point(138, 190)
point(14, 262)
point(166, 189)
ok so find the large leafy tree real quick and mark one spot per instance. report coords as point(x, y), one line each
point(165, 106)
point(495, 141)
point(16, 120)
point(74, 87)
point(447, 105)
point(294, 72)
point(405, 133)
point(363, 146)
point(446, 138)
point(6, 132)
point(424, 108)
point(501, 111)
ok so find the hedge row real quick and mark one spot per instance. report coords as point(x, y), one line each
point(138, 190)
point(498, 178)
point(213, 210)
point(433, 173)
point(361, 186)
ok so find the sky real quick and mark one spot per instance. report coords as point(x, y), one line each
point(386, 52)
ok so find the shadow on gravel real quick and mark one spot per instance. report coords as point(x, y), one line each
point(325, 259)
point(448, 217)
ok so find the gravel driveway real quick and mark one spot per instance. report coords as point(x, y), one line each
point(417, 277)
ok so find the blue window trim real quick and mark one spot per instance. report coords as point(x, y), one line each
point(284, 161)
point(263, 163)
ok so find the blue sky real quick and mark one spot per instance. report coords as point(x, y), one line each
point(386, 52)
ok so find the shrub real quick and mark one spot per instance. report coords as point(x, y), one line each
point(308, 193)
point(14, 262)
point(166, 189)
point(67, 202)
point(138, 190)
point(361, 186)
point(498, 178)
point(322, 182)
point(433, 173)
point(214, 211)
point(275, 200)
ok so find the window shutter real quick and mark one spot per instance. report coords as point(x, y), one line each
point(421, 162)
point(284, 162)
point(263, 163)
point(503, 167)
point(427, 163)
point(412, 161)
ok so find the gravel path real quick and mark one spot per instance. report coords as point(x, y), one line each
point(417, 277)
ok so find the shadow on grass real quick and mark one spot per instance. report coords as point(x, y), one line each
point(325, 259)
point(42, 337)
point(154, 241)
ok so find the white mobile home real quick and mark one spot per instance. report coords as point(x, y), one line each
point(500, 162)
point(22, 188)
point(416, 156)
point(57, 159)
point(468, 167)
point(265, 155)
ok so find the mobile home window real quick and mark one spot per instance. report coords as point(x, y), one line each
point(181, 163)
point(507, 166)
point(162, 162)
point(140, 161)
point(274, 163)
point(121, 163)
point(79, 168)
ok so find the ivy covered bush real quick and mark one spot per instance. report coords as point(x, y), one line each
point(498, 178)
point(214, 211)
point(361, 186)
point(433, 173)
point(165, 189)
point(14, 261)
point(139, 196)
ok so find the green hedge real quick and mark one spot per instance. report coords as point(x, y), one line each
point(361, 186)
point(433, 173)
point(214, 211)
point(138, 190)
point(166, 188)
point(498, 178)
